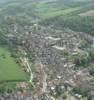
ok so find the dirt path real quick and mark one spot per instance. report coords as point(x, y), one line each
point(28, 68)
point(26, 64)
point(44, 78)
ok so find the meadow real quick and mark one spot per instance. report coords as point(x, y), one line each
point(9, 69)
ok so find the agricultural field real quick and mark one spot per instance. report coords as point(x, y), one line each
point(9, 69)
point(77, 15)
point(46, 9)
point(89, 13)
point(51, 10)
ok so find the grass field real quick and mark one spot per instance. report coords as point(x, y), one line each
point(9, 69)
point(53, 10)
point(58, 13)
point(46, 10)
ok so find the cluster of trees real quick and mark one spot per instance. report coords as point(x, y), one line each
point(76, 23)
point(91, 71)
point(79, 90)
point(7, 87)
point(81, 61)
point(84, 61)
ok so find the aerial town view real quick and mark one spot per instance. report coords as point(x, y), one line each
point(46, 49)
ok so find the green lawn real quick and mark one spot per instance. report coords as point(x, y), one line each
point(9, 69)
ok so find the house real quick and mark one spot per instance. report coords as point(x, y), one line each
point(91, 96)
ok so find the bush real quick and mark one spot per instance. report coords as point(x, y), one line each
point(81, 61)
point(80, 91)
point(91, 71)
point(91, 53)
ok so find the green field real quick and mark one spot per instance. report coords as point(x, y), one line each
point(51, 10)
point(58, 13)
point(9, 69)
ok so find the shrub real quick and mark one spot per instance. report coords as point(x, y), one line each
point(81, 61)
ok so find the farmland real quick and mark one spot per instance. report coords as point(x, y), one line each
point(89, 13)
point(77, 16)
point(50, 10)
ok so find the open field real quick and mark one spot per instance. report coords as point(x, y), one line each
point(9, 69)
point(89, 13)
point(46, 10)
point(50, 11)
point(58, 13)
